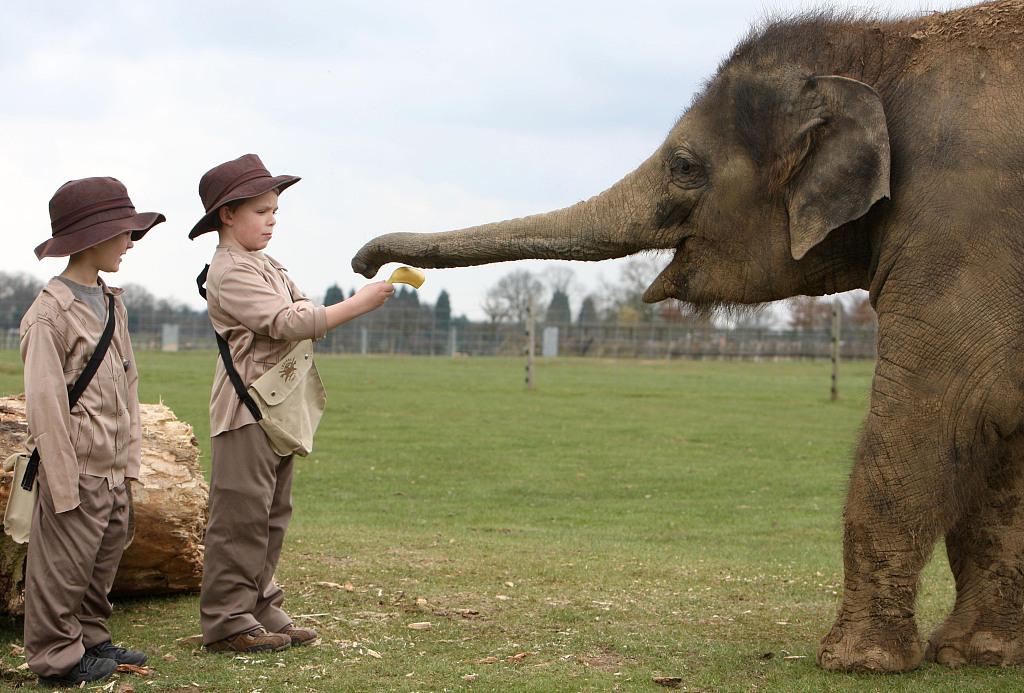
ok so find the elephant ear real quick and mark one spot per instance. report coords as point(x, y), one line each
point(844, 169)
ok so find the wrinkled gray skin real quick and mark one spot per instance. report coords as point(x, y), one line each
point(829, 154)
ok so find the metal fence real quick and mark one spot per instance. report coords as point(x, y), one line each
point(611, 341)
point(644, 341)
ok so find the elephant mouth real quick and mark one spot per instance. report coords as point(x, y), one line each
point(671, 282)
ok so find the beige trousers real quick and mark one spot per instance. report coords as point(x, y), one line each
point(250, 506)
point(72, 559)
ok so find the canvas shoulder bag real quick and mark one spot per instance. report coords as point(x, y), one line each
point(22, 501)
point(287, 401)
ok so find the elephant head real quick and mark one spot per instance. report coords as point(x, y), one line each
point(750, 189)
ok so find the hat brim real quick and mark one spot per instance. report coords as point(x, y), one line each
point(75, 242)
point(254, 188)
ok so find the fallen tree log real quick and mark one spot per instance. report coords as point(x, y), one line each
point(170, 497)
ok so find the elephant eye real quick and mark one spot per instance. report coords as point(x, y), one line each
point(686, 170)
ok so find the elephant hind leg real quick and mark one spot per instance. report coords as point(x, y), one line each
point(986, 554)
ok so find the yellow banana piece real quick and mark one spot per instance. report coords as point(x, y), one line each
point(407, 275)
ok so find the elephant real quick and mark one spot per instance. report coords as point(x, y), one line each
point(832, 152)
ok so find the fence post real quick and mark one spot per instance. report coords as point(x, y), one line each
point(835, 348)
point(529, 345)
point(364, 340)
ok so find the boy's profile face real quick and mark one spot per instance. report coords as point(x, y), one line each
point(251, 224)
point(106, 256)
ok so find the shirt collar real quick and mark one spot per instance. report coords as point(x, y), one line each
point(259, 255)
point(60, 291)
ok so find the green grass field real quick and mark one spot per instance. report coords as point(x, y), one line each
point(625, 520)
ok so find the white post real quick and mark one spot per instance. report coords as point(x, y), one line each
point(549, 342)
point(529, 345)
point(835, 348)
point(169, 337)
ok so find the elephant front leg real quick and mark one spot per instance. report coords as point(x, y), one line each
point(892, 513)
point(986, 554)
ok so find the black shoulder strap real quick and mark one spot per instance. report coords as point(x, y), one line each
point(225, 356)
point(76, 390)
point(201, 281)
point(96, 359)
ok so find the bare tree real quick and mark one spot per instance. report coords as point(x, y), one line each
point(624, 299)
point(17, 291)
point(861, 313)
point(639, 271)
point(495, 309)
point(510, 298)
point(559, 278)
point(141, 305)
point(809, 312)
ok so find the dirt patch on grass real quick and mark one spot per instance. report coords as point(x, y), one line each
point(606, 660)
point(419, 560)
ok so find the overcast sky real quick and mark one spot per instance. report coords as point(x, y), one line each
point(399, 116)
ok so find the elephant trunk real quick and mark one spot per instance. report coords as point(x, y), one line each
point(618, 222)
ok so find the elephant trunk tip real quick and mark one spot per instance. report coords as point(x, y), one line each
point(362, 265)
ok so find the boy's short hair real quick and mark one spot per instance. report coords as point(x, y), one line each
point(235, 204)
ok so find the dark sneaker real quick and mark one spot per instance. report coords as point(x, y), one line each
point(87, 670)
point(109, 650)
point(299, 636)
point(256, 640)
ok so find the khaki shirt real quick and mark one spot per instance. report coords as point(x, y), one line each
point(262, 314)
point(102, 435)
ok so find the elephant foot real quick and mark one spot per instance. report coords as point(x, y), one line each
point(953, 644)
point(874, 646)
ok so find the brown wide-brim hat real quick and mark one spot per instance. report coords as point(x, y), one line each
point(88, 211)
point(231, 181)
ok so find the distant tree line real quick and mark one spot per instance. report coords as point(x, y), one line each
point(402, 325)
point(17, 291)
point(620, 303)
point(407, 325)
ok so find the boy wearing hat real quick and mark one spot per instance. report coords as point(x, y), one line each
point(256, 307)
point(80, 524)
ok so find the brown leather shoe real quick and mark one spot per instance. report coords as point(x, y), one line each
point(256, 640)
point(299, 636)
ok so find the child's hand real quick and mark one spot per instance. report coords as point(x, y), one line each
point(367, 299)
point(372, 296)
